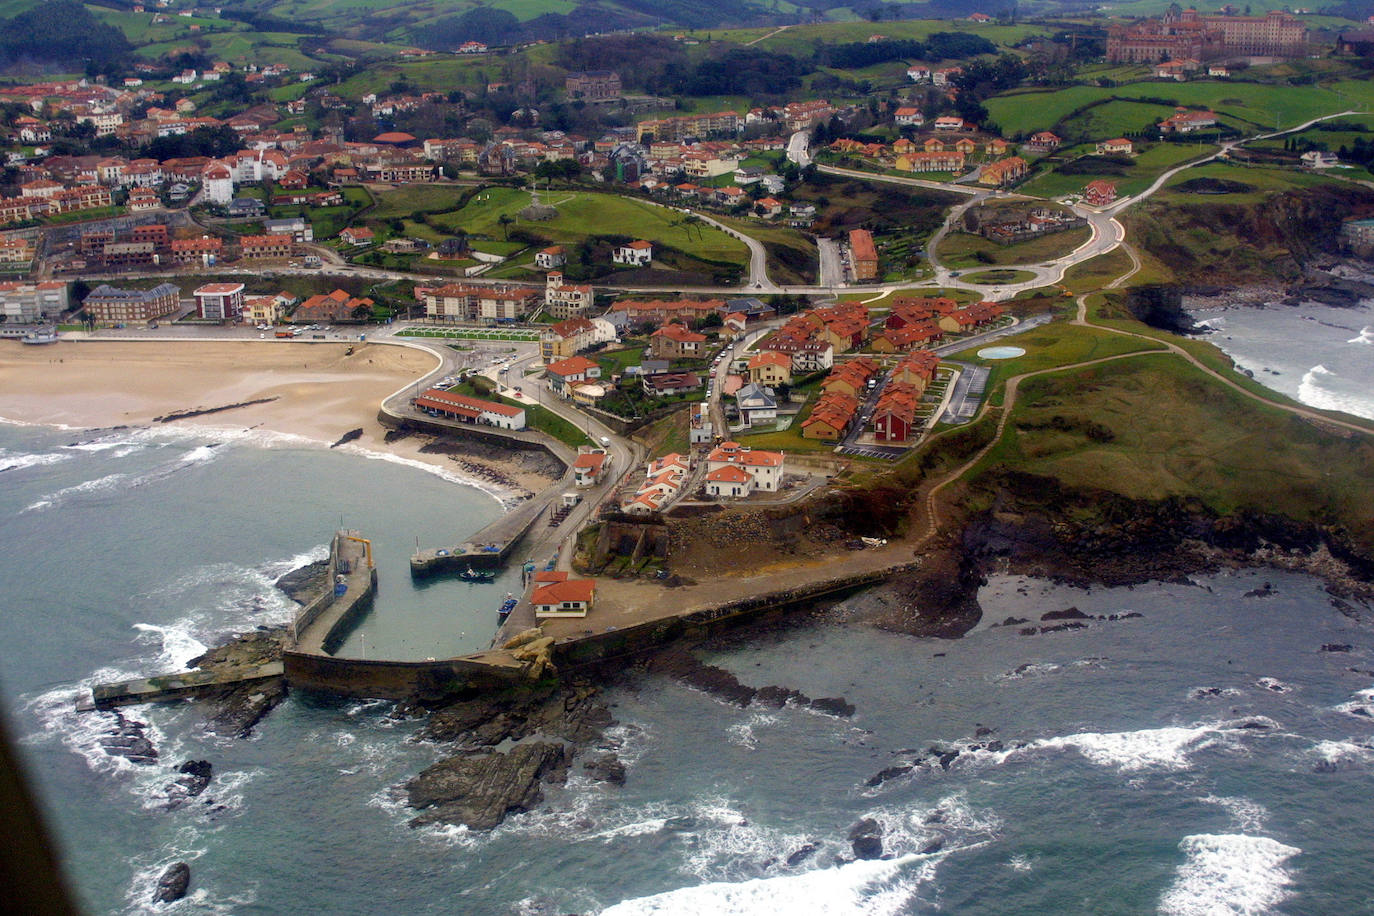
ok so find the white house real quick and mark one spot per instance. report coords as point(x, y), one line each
point(218, 183)
point(556, 595)
point(638, 253)
point(766, 468)
point(756, 404)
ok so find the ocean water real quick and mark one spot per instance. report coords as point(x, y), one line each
point(1204, 757)
point(1322, 356)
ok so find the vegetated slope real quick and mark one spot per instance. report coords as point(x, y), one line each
point(1126, 461)
point(64, 33)
point(1217, 242)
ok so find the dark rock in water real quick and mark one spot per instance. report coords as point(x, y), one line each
point(982, 731)
point(195, 776)
point(947, 757)
point(835, 706)
point(1027, 631)
point(1058, 627)
point(1325, 766)
point(887, 773)
point(1337, 647)
point(1069, 613)
point(1012, 622)
point(1208, 692)
point(682, 665)
point(1129, 615)
point(572, 712)
point(1264, 591)
point(1254, 725)
point(302, 585)
point(606, 768)
point(128, 740)
point(1361, 711)
point(479, 789)
point(866, 839)
point(681, 822)
point(801, 855)
point(173, 884)
point(348, 437)
point(238, 708)
point(932, 846)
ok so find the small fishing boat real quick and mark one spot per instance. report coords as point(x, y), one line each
point(468, 574)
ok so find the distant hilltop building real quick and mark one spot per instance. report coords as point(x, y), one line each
point(593, 86)
point(1187, 34)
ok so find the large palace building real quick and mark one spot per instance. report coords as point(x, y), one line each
point(1180, 34)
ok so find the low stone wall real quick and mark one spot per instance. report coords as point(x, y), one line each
point(525, 440)
point(307, 615)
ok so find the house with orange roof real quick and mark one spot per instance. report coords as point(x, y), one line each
point(674, 341)
point(770, 368)
point(639, 253)
point(765, 468)
point(556, 595)
point(590, 465)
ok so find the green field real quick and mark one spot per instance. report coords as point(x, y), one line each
point(1145, 167)
point(408, 199)
point(586, 213)
point(965, 251)
point(803, 39)
point(1257, 107)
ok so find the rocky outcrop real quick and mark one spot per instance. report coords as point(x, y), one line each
point(682, 665)
point(866, 839)
point(235, 710)
point(173, 884)
point(303, 584)
point(480, 788)
point(195, 777)
point(129, 740)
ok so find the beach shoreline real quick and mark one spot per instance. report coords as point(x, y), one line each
point(305, 395)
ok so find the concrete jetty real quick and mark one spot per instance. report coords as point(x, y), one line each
point(489, 548)
point(179, 686)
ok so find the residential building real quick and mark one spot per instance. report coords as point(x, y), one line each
point(31, 302)
point(593, 86)
point(933, 161)
point(551, 258)
point(266, 247)
point(565, 300)
point(590, 466)
point(1099, 193)
point(1003, 172)
point(674, 341)
point(764, 467)
point(863, 255)
point(331, 307)
point(907, 116)
point(219, 301)
point(669, 384)
point(15, 249)
point(573, 335)
point(204, 251)
point(297, 227)
point(110, 304)
point(638, 253)
point(1118, 147)
point(440, 403)
point(770, 368)
point(757, 404)
point(357, 236)
point(1186, 121)
point(557, 595)
point(566, 374)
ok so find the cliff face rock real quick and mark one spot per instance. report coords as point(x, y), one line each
point(1221, 241)
point(480, 788)
point(1084, 536)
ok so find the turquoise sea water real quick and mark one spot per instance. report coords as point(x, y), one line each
point(1205, 757)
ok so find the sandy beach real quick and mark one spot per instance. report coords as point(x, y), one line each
point(318, 392)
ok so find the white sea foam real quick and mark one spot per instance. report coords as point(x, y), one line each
point(1315, 391)
point(500, 494)
point(1213, 693)
point(1020, 864)
point(1232, 874)
point(1366, 336)
point(98, 485)
point(14, 461)
point(1274, 685)
point(1249, 815)
point(1361, 704)
point(870, 888)
point(176, 645)
point(1342, 751)
point(742, 733)
point(1151, 748)
point(202, 900)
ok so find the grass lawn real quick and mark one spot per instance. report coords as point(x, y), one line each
point(962, 250)
point(1265, 180)
point(1257, 105)
point(1113, 119)
point(1171, 431)
point(408, 199)
point(584, 213)
point(1096, 273)
point(614, 362)
point(1145, 167)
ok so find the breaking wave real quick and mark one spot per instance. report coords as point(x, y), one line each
point(1229, 873)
